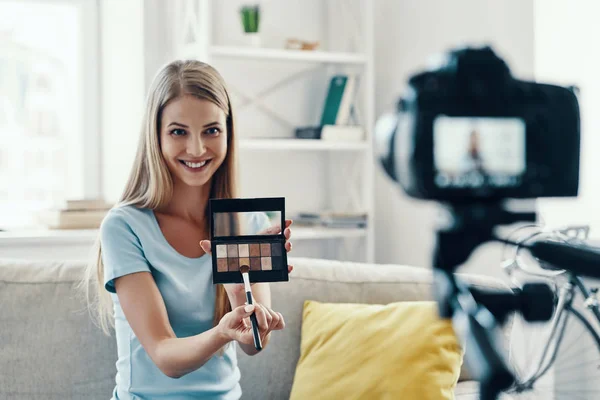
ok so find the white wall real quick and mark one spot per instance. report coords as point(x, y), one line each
point(565, 53)
point(135, 43)
point(407, 34)
point(122, 89)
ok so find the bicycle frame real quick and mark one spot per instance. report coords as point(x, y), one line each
point(564, 302)
point(559, 322)
point(558, 325)
point(591, 300)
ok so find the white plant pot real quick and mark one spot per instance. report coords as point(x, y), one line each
point(252, 39)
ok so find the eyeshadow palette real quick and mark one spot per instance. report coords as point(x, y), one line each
point(248, 232)
point(258, 256)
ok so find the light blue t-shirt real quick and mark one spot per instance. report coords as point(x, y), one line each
point(132, 241)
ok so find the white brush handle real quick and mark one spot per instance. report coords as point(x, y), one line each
point(246, 282)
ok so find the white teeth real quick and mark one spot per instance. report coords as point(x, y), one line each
point(195, 165)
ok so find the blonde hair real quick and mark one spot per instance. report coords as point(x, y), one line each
point(150, 184)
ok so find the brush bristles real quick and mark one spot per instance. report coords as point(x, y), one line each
point(244, 269)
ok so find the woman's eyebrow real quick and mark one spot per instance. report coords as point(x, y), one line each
point(185, 126)
point(178, 124)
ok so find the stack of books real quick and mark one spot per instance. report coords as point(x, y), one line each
point(75, 214)
point(331, 219)
point(338, 119)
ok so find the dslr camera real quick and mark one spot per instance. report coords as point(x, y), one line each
point(468, 130)
point(469, 135)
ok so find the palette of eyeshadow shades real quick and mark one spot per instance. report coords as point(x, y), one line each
point(234, 244)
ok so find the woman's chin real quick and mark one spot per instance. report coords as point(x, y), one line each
point(198, 182)
point(194, 181)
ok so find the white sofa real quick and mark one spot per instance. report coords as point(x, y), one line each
point(49, 349)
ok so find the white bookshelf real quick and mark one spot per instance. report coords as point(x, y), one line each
point(210, 18)
point(286, 55)
point(75, 245)
point(68, 237)
point(308, 233)
point(301, 144)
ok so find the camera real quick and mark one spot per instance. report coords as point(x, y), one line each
point(468, 130)
point(469, 135)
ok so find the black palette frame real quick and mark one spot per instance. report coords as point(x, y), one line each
point(264, 204)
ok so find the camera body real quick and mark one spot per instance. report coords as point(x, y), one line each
point(468, 131)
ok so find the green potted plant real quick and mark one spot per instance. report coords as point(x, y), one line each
point(250, 16)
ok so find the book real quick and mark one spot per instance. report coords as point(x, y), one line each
point(345, 111)
point(75, 219)
point(75, 214)
point(331, 219)
point(83, 204)
point(342, 133)
point(338, 101)
point(332, 133)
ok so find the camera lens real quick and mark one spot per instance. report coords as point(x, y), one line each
point(385, 130)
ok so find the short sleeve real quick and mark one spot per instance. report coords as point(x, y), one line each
point(122, 252)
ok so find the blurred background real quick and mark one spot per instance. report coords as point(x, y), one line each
point(74, 75)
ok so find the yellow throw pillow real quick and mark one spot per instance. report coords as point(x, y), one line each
point(359, 351)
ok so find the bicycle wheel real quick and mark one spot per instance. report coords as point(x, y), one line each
point(571, 372)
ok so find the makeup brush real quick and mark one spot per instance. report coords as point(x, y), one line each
point(244, 269)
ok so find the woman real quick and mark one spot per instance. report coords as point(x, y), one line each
point(174, 329)
point(473, 161)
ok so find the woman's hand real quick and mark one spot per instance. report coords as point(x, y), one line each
point(235, 290)
point(236, 325)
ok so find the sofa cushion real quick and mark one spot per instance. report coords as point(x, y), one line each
point(49, 348)
point(333, 282)
point(357, 351)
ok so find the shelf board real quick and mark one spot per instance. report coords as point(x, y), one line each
point(42, 236)
point(287, 55)
point(87, 236)
point(307, 232)
point(301, 144)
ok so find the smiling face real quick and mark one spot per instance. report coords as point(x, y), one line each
point(193, 137)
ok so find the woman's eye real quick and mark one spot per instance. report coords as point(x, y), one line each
point(178, 132)
point(213, 131)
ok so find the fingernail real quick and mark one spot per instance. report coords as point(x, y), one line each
point(249, 308)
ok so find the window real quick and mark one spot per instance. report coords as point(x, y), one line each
point(48, 112)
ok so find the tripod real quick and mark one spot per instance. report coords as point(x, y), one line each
point(476, 316)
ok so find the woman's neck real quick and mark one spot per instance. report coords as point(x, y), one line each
point(189, 202)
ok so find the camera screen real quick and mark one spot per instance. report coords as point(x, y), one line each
point(473, 152)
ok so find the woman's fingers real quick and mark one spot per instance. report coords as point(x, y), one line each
point(277, 322)
point(287, 233)
point(240, 313)
point(280, 322)
point(272, 230)
point(268, 317)
point(205, 245)
point(290, 269)
point(288, 246)
point(268, 320)
point(261, 317)
point(276, 229)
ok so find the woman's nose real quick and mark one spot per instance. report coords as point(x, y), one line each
point(196, 146)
